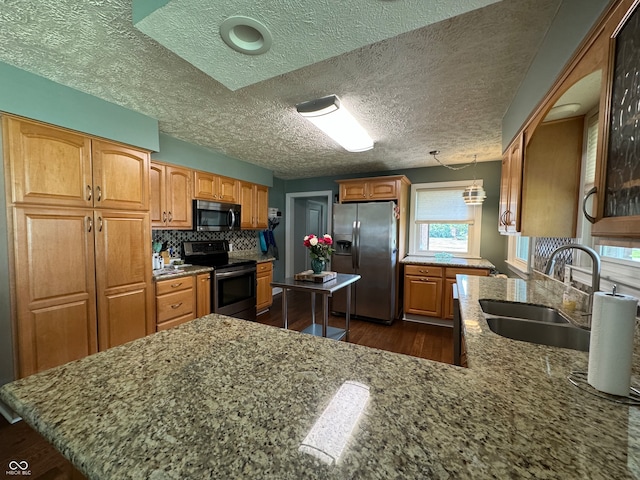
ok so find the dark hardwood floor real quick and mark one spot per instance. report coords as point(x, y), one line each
point(19, 442)
point(417, 339)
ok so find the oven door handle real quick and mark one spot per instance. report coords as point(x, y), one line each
point(235, 273)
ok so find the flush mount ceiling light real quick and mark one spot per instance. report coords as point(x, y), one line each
point(333, 119)
point(246, 35)
point(474, 194)
point(562, 111)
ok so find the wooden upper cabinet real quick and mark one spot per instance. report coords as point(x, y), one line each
point(510, 187)
point(171, 198)
point(254, 200)
point(55, 295)
point(47, 165)
point(262, 206)
point(353, 191)
point(617, 186)
point(209, 186)
point(551, 179)
point(157, 201)
point(372, 189)
point(54, 166)
point(120, 176)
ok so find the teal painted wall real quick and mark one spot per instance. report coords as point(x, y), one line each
point(493, 245)
point(23, 93)
point(143, 8)
point(570, 26)
point(193, 156)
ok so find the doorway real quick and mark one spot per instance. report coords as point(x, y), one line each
point(308, 212)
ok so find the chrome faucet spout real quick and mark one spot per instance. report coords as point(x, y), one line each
point(595, 269)
point(595, 259)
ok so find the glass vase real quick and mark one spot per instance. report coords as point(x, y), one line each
point(317, 265)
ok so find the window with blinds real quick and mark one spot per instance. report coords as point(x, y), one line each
point(442, 222)
point(591, 149)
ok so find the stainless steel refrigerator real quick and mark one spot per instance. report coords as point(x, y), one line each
point(365, 240)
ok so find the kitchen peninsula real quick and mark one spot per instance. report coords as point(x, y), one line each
point(224, 398)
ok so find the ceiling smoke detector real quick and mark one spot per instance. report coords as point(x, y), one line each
point(246, 35)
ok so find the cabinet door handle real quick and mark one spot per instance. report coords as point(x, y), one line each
point(176, 285)
point(170, 217)
point(584, 205)
point(507, 215)
point(99, 190)
point(164, 217)
point(89, 192)
point(100, 222)
point(90, 222)
point(176, 305)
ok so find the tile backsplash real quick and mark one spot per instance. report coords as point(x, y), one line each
point(241, 239)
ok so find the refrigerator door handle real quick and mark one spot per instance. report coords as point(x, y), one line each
point(354, 244)
point(358, 242)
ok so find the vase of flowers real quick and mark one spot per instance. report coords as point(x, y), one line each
point(320, 250)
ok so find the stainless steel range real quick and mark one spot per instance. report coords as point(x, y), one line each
point(233, 286)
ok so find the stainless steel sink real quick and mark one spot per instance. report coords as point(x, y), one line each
point(528, 311)
point(552, 334)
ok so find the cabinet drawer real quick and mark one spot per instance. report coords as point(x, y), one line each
point(174, 285)
point(173, 322)
point(423, 270)
point(175, 305)
point(264, 267)
point(478, 272)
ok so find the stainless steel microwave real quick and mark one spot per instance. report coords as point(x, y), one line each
point(215, 217)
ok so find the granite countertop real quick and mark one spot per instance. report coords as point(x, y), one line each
point(172, 272)
point(252, 255)
point(449, 262)
point(167, 273)
point(224, 398)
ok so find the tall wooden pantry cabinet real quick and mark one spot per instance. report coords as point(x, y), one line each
point(81, 253)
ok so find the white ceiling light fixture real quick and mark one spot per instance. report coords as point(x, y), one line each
point(333, 119)
point(562, 111)
point(474, 194)
point(246, 35)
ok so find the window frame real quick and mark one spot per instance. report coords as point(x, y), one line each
point(475, 226)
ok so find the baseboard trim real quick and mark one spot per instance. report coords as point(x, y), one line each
point(11, 416)
point(410, 317)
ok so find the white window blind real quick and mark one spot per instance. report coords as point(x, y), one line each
point(442, 205)
point(592, 147)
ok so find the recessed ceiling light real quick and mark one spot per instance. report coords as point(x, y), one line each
point(246, 35)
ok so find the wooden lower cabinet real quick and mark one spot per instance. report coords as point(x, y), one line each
point(203, 294)
point(428, 290)
point(423, 290)
point(175, 302)
point(447, 299)
point(263, 291)
point(123, 276)
point(82, 283)
point(55, 290)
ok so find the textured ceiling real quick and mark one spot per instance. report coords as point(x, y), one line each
point(445, 86)
point(303, 32)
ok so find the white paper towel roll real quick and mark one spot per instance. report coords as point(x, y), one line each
point(611, 345)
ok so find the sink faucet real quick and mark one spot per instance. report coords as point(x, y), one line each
point(595, 269)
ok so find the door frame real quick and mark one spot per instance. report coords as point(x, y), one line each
point(289, 219)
